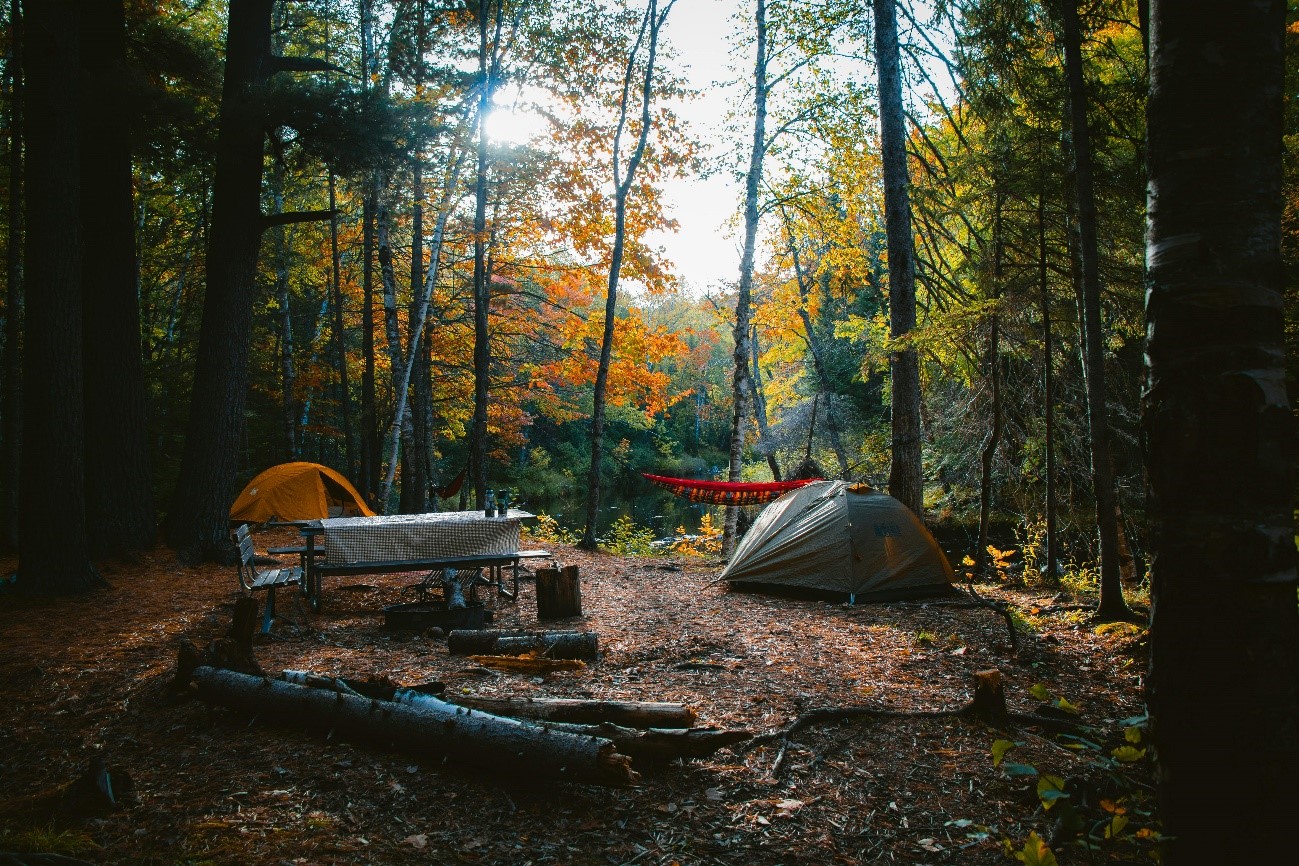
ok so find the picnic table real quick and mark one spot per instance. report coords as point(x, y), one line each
point(459, 540)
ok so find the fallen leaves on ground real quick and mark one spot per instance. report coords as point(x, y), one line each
point(86, 675)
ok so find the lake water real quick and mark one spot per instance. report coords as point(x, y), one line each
point(656, 508)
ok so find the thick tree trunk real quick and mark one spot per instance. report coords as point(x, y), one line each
point(740, 385)
point(1220, 435)
point(54, 554)
point(906, 480)
point(423, 725)
point(12, 393)
point(197, 525)
point(371, 449)
point(1111, 604)
point(120, 517)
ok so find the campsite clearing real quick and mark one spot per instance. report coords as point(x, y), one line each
point(89, 674)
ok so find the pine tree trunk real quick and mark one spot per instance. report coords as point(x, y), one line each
point(54, 554)
point(1223, 688)
point(1111, 605)
point(197, 525)
point(906, 481)
point(11, 396)
point(120, 516)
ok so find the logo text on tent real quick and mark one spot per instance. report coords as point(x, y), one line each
point(888, 530)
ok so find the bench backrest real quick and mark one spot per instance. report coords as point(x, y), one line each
point(247, 567)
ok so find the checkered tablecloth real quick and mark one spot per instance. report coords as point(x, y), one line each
point(436, 535)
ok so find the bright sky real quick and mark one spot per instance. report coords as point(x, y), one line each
point(704, 250)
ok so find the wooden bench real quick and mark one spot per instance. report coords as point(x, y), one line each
point(253, 580)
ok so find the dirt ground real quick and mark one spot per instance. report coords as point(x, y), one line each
point(87, 676)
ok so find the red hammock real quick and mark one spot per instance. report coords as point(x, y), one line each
point(727, 492)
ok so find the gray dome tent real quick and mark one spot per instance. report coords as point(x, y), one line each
point(830, 535)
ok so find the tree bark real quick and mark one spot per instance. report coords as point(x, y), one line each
point(993, 439)
point(197, 524)
point(11, 396)
point(1048, 390)
point(1219, 435)
point(740, 385)
point(54, 553)
point(340, 335)
point(629, 714)
point(559, 593)
point(1111, 604)
point(906, 480)
point(120, 516)
point(423, 725)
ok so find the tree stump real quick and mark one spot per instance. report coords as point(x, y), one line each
point(989, 704)
point(559, 593)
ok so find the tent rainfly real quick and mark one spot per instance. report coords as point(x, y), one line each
point(842, 538)
point(298, 491)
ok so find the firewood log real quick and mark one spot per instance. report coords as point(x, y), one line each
point(432, 728)
point(551, 644)
point(631, 714)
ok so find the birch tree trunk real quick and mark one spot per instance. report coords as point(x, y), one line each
point(741, 387)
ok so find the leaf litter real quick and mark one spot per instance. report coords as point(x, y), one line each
point(89, 675)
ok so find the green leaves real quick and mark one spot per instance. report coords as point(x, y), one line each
point(1034, 853)
point(1050, 790)
point(999, 750)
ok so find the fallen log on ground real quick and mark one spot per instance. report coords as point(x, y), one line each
point(630, 714)
point(657, 745)
point(532, 665)
point(643, 745)
point(551, 644)
point(434, 728)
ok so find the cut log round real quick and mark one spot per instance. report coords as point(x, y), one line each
point(551, 644)
point(422, 725)
point(630, 714)
point(559, 593)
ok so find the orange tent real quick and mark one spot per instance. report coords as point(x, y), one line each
point(298, 491)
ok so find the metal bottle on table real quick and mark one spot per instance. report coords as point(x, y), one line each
point(490, 509)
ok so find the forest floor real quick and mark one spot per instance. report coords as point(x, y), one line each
point(90, 675)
